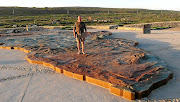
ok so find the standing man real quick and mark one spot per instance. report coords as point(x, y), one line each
point(79, 34)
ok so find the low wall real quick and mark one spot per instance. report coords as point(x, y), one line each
point(90, 27)
point(130, 28)
point(103, 27)
point(98, 27)
point(51, 27)
point(19, 29)
point(157, 24)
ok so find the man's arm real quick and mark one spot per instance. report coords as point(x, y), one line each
point(85, 30)
point(74, 30)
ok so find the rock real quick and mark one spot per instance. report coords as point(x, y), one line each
point(115, 61)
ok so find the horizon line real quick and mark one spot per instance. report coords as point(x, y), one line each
point(93, 7)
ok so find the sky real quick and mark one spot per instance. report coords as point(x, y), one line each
point(145, 4)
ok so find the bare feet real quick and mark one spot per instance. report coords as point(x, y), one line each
point(80, 53)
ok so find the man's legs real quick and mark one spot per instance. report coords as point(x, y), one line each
point(80, 39)
point(78, 46)
point(82, 43)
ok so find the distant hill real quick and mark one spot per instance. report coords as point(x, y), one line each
point(24, 11)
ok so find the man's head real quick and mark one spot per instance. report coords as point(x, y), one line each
point(79, 18)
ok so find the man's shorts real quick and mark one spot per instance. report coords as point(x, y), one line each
point(80, 37)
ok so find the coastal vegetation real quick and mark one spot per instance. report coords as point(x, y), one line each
point(66, 16)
